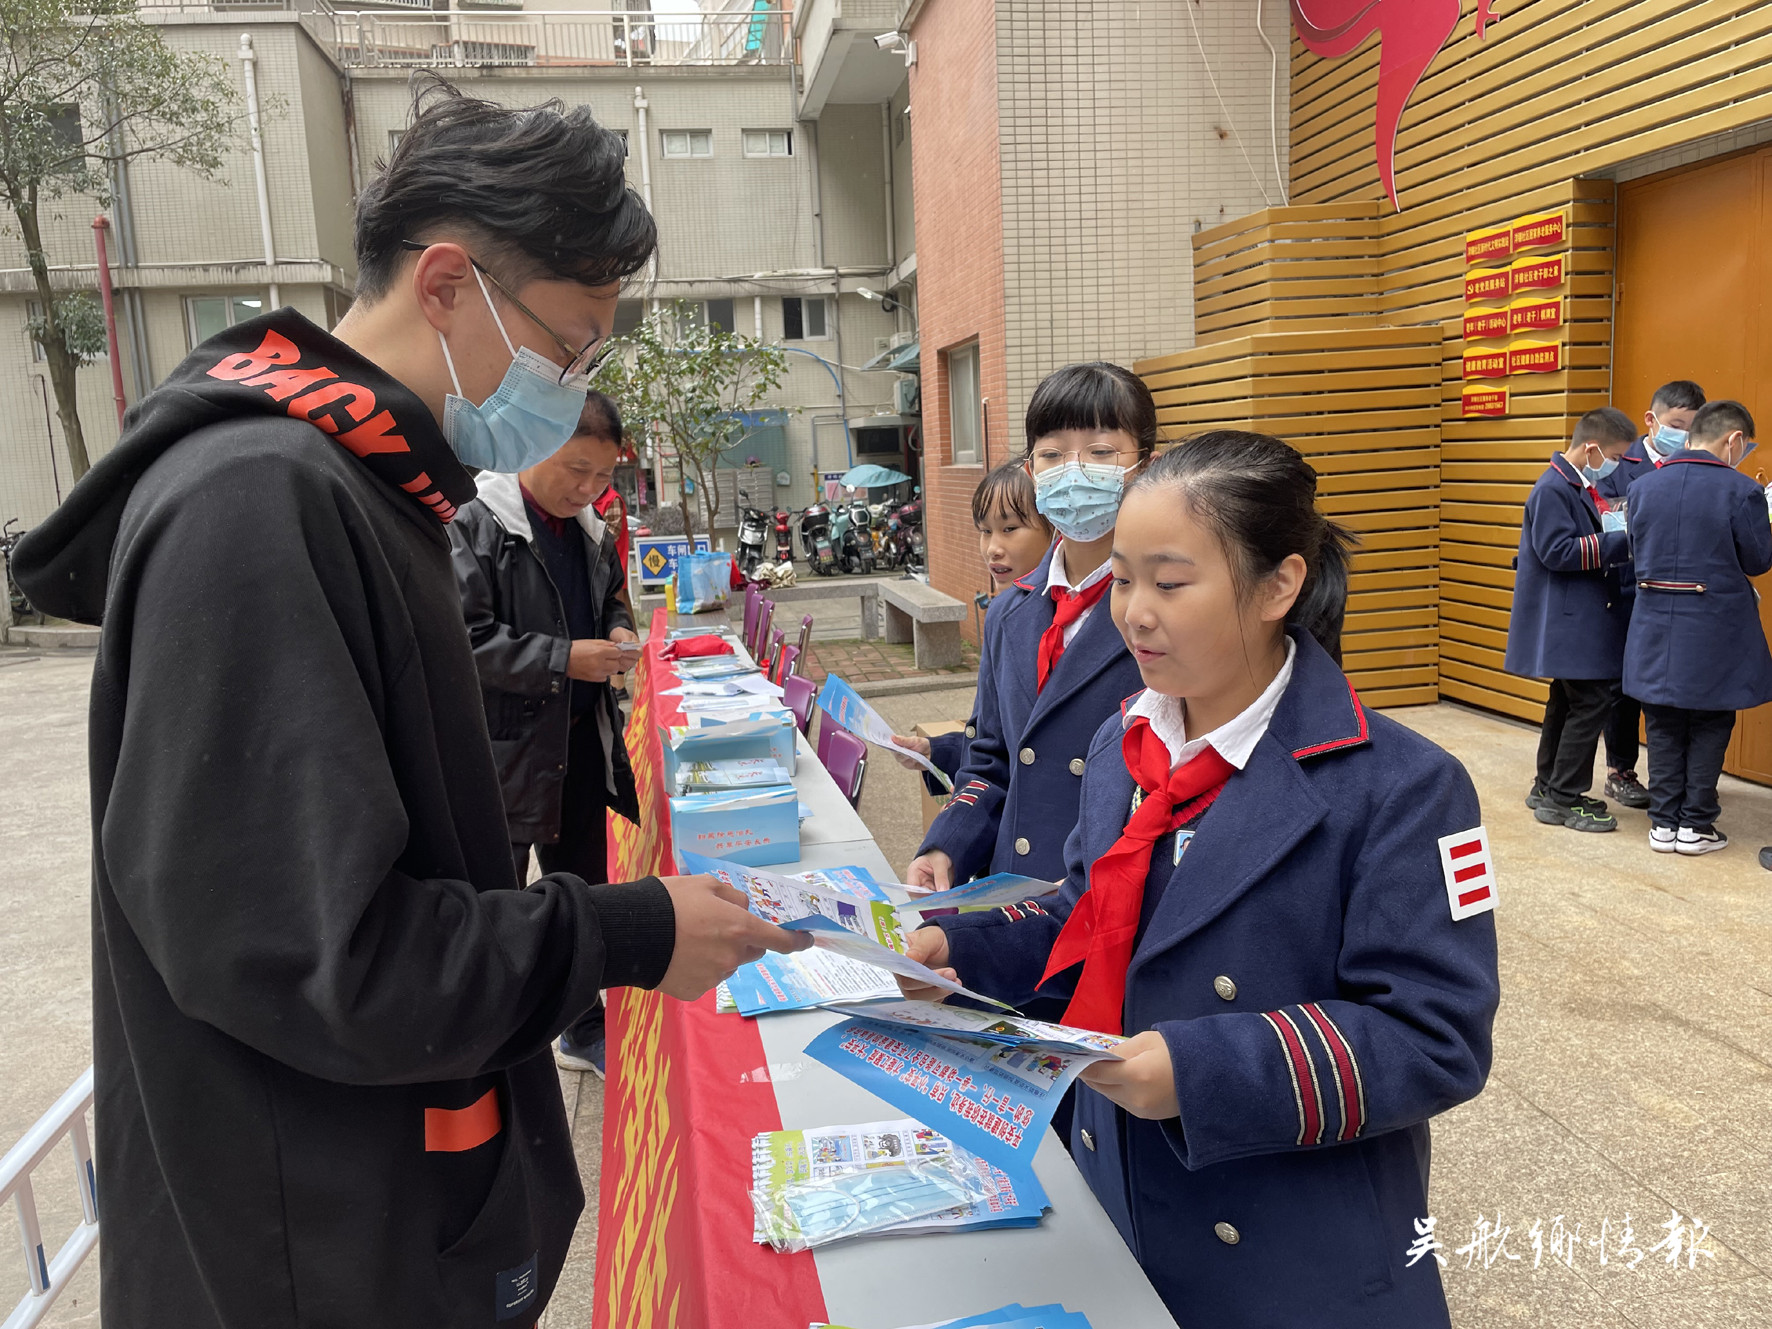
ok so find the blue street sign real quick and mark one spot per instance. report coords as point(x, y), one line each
point(658, 558)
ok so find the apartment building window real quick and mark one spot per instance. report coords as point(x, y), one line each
point(206, 315)
point(689, 143)
point(624, 141)
point(803, 318)
point(703, 313)
point(394, 137)
point(629, 314)
point(769, 143)
point(964, 407)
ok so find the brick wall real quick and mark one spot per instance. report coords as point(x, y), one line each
point(956, 172)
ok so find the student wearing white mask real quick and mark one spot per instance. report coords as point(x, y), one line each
point(1665, 426)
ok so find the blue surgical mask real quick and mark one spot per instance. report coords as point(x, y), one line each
point(1751, 445)
point(527, 420)
point(1668, 439)
point(1595, 474)
point(1082, 501)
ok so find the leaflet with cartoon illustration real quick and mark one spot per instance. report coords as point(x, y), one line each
point(1000, 888)
point(846, 706)
point(784, 1158)
point(990, 1084)
point(783, 899)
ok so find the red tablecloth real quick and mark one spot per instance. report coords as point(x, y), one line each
point(687, 1091)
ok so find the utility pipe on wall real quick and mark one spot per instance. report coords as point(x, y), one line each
point(249, 66)
point(640, 108)
point(99, 226)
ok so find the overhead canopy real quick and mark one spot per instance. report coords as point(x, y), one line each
point(904, 359)
point(870, 476)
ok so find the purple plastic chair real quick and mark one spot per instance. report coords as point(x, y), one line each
point(773, 657)
point(801, 696)
point(786, 662)
point(846, 757)
point(805, 635)
point(753, 598)
point(765, 615)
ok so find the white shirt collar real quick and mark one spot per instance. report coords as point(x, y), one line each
point(1234, 740)
point(1055, 573)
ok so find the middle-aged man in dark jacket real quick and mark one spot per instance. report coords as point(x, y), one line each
point(541, 587)
point(322, 1005)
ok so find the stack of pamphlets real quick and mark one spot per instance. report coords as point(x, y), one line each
point(1012, 1316)
point(782, 1159)
point(713, 777)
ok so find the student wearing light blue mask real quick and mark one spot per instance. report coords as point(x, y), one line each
point(1665, 427)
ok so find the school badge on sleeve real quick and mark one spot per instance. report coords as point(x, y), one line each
point(1470, 872)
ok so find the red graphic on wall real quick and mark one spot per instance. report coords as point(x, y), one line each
point(1410, 33)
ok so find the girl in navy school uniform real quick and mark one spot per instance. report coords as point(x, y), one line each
point(1052, 666)
point(1012, 539)
point(1283, 899)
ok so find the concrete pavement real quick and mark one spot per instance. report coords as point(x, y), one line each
point(1633, 1065)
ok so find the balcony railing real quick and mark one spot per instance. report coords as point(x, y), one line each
point(556, 39)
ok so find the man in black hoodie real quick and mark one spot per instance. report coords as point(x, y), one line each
point(322, 1003)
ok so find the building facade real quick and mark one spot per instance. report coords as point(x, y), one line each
point(772, 217)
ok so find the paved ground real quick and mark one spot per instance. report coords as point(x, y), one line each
point(1634, 1048)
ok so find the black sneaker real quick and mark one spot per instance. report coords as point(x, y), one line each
point(1624, 787)
point(1535, 796)
point(1585, 814)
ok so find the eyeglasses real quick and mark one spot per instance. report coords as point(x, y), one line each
point(1047, 457)
point(586, 360)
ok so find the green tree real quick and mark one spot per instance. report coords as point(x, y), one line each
point(688, 386)
point(86, 87)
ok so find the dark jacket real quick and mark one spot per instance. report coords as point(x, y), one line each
point(1320, 1004)
point(321, 1006)
point(517, 625)
point(1699, 530)
point(1570, 612)
point(1015, 799)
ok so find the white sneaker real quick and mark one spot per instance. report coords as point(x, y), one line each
point(1662, 839)
point(1692, 842)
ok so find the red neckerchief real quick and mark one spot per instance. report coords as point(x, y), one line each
point(1069, 606)
point(555, 524)
point(1103, 927)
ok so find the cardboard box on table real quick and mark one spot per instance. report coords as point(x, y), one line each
point(756, 827)
point(934, 803)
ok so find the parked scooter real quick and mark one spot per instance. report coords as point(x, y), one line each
point(784, 544)
point(850, 536)
point(753, 526)
point(905, 534)
point(815, 540)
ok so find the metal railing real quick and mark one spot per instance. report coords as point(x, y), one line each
point(563, 39)
point(48, 1277)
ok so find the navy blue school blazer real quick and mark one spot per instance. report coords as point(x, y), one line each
point(1699, 529)
point(1320, 1005)
point(1635, 464)
point(1015, 799)
point(1570, 611)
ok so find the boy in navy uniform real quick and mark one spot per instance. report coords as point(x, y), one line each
point(1570, 615)
point(1665, 425)
point(1696, 653)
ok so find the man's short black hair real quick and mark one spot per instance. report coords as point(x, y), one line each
point(1606, 425)
point(533, 192)
point(1719, 419)
point(1680, 395)
point(600, 418)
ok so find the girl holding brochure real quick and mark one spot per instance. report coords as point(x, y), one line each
point(1052, 667)
point(1286, 902)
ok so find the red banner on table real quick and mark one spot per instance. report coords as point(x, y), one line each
point(688, 1088)
point(1480, 323)
point(1484, 402)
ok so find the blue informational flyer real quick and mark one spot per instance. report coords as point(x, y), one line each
point(845, 705)
point(989, 1083)
point(1000, 888)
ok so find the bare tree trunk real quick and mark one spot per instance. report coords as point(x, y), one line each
point(62, 365)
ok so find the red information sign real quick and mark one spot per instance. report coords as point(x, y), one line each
point(1480, 323)
point(1486, 246)
point(1485, 284)
point(1534, 315)
point(1531, 357)
point(1533, 274)
point(1486, 364)
point(1540, 231)
point(1485, 402)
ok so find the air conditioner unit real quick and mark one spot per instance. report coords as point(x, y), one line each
point(907, 396)
point(884, 344)
point(898, 339)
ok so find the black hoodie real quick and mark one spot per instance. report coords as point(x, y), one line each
point(321, 1003)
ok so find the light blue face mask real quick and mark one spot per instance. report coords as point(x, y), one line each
point(845, 1206)
point(1595, 474)
point(1082, 501)
point(1668, 439)
point(527, 420)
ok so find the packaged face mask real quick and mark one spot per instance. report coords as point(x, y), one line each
point(814, 1213)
